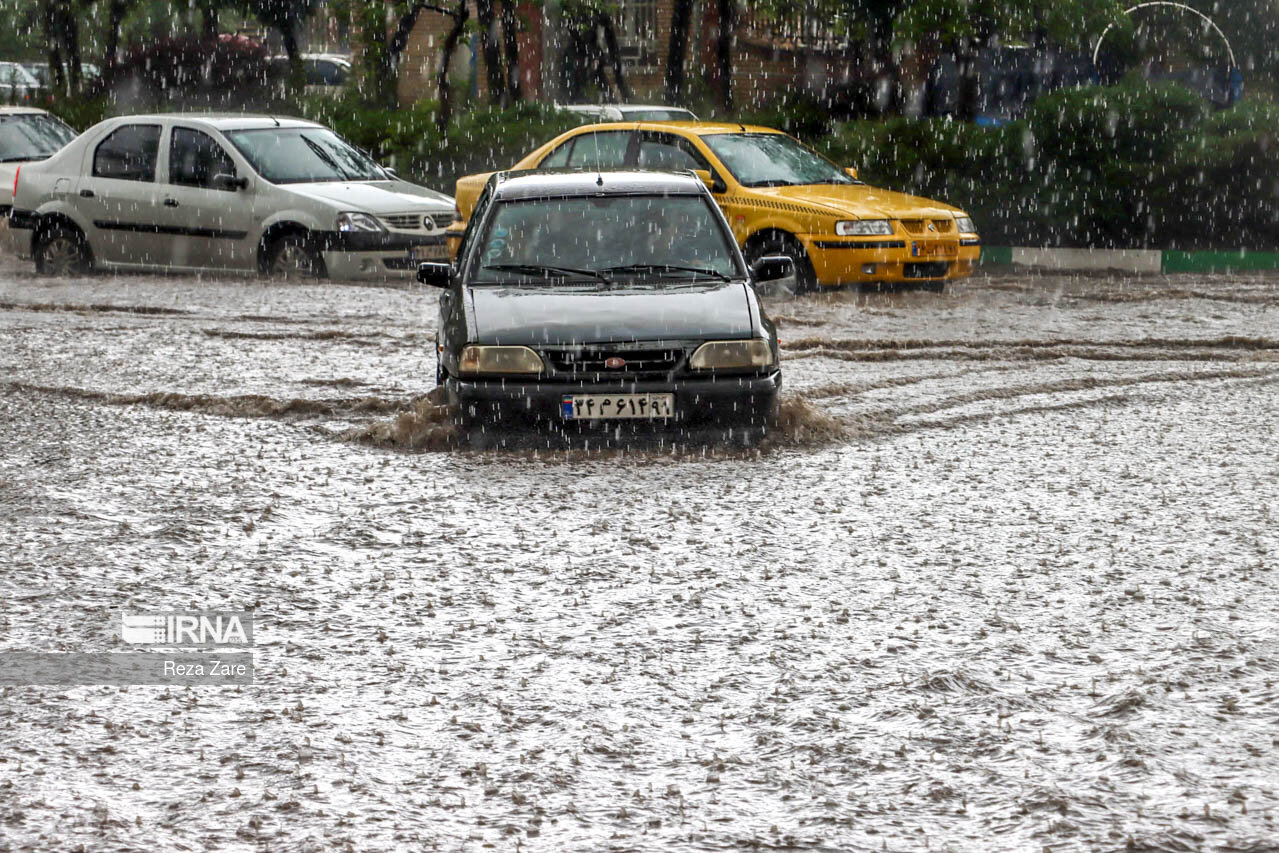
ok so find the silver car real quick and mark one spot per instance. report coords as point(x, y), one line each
point(179, 192)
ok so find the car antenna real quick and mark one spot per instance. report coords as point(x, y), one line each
point(599, 181)
point(276, 120)
point(742, 126)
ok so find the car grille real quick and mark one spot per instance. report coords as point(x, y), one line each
point(935, 269)
point(418, 221)
point(591, 362)
point(918, 226)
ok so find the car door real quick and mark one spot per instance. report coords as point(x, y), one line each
point(205, 208)
point(118, 197)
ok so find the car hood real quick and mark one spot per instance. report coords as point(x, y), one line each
point(580, 314)
point(862, 201)
point(373, 196)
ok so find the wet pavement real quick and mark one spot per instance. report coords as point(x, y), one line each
point(1002, 577)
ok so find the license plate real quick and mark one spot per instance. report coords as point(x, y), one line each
point(583, 407)
point(433, 252)
point(933, 250)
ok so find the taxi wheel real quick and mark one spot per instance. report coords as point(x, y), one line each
point(62, 250)
point(805, 279)
point(293, 256)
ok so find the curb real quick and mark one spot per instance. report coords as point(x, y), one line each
point(1129, 260)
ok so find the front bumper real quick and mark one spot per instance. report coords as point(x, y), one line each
point(747, 400)
point(895, 259)
point(372, 255)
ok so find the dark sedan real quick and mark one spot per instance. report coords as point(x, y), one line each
point(592, 298)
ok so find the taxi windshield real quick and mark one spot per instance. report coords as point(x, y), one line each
point(773, 160)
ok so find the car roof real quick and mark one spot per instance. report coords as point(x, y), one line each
point(223, 121)
point(537, 183)
point(22, 111)
point(700, 128)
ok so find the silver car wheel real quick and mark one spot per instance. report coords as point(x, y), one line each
point(292, 258)
point(61, 252)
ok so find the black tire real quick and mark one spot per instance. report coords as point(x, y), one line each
point(783, 244)
point(293, 256)
point(935, 286)
point(62, 250)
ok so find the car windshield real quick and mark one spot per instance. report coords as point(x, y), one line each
point(614, 238)
point(657, 115)
point(13, 74)
point(31, 137)
point(773, 160)
point(295, 155)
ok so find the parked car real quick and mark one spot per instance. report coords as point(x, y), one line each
point(40, 71)
point(629, 112)
point(780, 197)
point(26, 134)
point(593, 298)
point(17, 84)
point(326, 73)
point(190, 192)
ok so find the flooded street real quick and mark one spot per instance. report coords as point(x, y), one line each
point(1002, 577)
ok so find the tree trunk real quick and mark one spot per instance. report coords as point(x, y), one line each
point(49, 23)
point(492, 56)
point(460, 17)
point(510, 36)
point(115, 20)
point(297, 74)
point(681, 20)
point(605, 22)
point(724, 43)
point(209, 21)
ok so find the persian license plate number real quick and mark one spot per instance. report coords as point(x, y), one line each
point(935, 250)
point(433, 252)
point(580, 407)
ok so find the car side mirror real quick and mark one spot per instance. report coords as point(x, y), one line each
point(224, 181)
point(713, 183)
point(852, 172)
point(394, 174)
point(772, 267)
point(435, 274)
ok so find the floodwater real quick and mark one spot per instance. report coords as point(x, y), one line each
point(1002, 577)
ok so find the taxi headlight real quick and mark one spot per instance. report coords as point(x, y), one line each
point(965, 225)
point(480, 360)
point(863, 227)
point(732, 355)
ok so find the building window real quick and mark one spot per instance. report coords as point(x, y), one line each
point(637, 32)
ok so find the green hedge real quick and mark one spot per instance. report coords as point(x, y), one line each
point(1133, 166)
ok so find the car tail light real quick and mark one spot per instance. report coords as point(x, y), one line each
point(16, 173)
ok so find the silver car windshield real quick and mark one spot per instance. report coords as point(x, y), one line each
point(31, 137)
point(614, 238)
point(295, 155)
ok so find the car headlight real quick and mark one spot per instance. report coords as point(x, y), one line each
point(352, 221)
point(730, 355)
point(965, 225)
point(479, 359)
point(863, 227)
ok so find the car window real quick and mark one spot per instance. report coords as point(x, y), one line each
point(659, 115)
point(128, 153)
point(558, 158)
point(605, 233)
point(195, 159)
point(602, 150)
point(668, 152)
point(773, 160)
point(31, 137)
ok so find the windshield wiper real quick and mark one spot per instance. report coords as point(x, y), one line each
point(659, 268)
point(776, 182)
point(547, 271)
point(327, 158)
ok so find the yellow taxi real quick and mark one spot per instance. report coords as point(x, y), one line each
point(780, 197)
